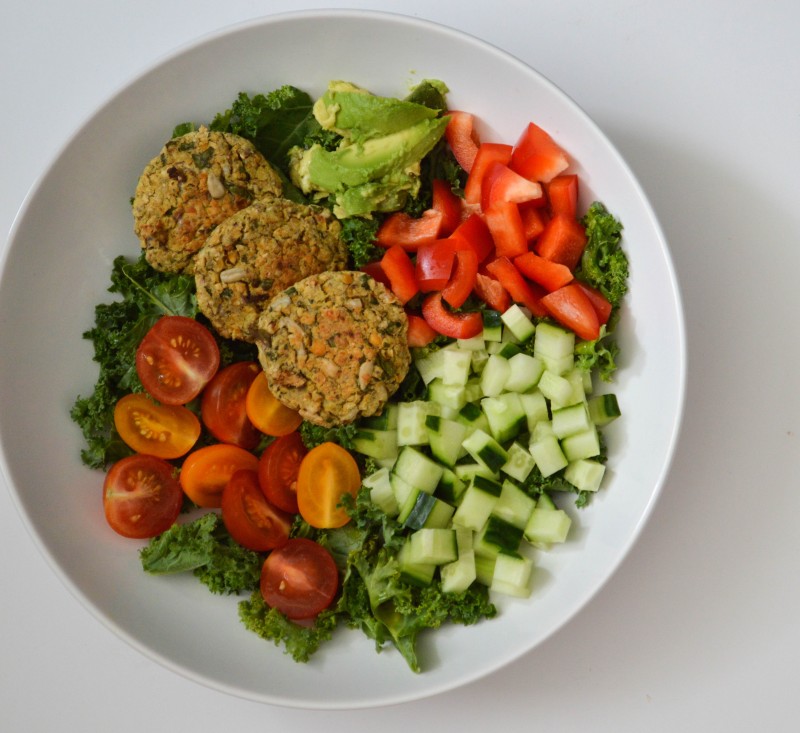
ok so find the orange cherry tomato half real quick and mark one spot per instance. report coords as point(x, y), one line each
point(278, 468)
point(327, 473)
point(141, 496)
point(299, 579)
point(166, 431)
point(176, 359)
point(266, 412)
point(252, 520)
point(206, 471)
point(223, 405)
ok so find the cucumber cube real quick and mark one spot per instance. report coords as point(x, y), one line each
point(417, 470)
point(519, 464)
point(512, 575)
point(548, 455)
point(459, 575)
point(436, 546)
point(585, 474)
point(518, 323)
point(456, 366)
point(535, 406)
point(494, 375)
point(525, 371)
point(477, 503)
point(547, 526)
point(571, 420)
point(585, 444)
point(556, 388)
point(514, 505)
point(380, 491)
point(553, 341)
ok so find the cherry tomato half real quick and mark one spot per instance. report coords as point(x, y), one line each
point(267, 413)
point(223, 405)
point(141, 496)
point(299, 579)
point(206, 471)
point(166, 431)
point(176, 359)
point(278, 468)
point(251, 520)
point(327, 473)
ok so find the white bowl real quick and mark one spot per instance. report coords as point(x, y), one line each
point(56, 268)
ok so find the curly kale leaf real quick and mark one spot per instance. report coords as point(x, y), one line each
point(600, 354)
point(205, 548)
point(604, 263)
point(358, 234)
point(313, 435)
point(119, 326)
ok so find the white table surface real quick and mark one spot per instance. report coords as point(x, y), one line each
point(699, 629)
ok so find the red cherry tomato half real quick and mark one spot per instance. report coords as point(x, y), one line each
point(141, 496)
point(299, 579)
point(252, 520)
point(223, 407)
point(165, 431)
point(176, 359)
point(278, 468)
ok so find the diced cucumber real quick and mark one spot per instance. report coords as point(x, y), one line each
point(560, 366)
point(464, 539)
point(477, 503)
point(472, 390)
point(423, 510)
point(553, 341)
point(519, 464)
point(485, 449)
point(417, 470)
point(509, 350)
point(473, 417)
point(585, 474)
point(514, 505)
point(416, 573)
point(456, 366)
point(380, 444)
point(547, 526)
point(429, 366)
point(476, 343)
point(448, 395)
point(578, 394)
point(570, 420)
point(496, 535)
point(386, 420)
point(402, 489)
point(494, 347)
point(445, 438)
point(512, 575)
point(506, 416)
point(432, 546)
point(492, 326)
point(535, 406)
point(542, 429)
point(411, 416)
point(548, 455)
point(380, 491)
point(484, 569)
point(467, 471)
point(554, 387)
point(450, 487)
point(494, 375)
point(525, 371)
point(585, 444)
point(545, 501)
point(518, 322)
point(460, 574)
point(479, 359)
point(603, 409)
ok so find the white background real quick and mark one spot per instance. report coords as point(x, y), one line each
point(699, 629)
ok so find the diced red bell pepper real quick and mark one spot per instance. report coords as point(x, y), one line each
point(375, 271)
point(536, 155)
point(462, 281)
point(399, 268)
point(491, 292)
point(455, 325)
point(409, 232)
point(419, 332)
point(534, 217)
point(461, 138)
point(475, 232)
point(434, 265)
point(599, 301)
point(562, 194)
point(521, 291)
point(550, 275)
point(571, 307)
point(508, 232)
point(449, 204)
point(502, 184)
point(488, 153)
point(563, 240)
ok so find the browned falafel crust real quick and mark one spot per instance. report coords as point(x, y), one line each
point(334, 346)
point(196, 182)
point(258, 252)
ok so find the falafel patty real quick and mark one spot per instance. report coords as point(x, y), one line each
point(334, 346)
point(196, 182)
point(258, 252)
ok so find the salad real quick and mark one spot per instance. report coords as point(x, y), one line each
point(381, 426)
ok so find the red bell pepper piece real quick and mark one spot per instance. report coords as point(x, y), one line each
point(563, 240)
point(409, 232)
point(461, 138)
point(571, 307)
point(455, 325)
point(488, 153)
point(550, 275)
point(599, 301)
point(534, 217)
point(435, 265)
point(419, 332)
point(446, 202)
point(536, 155)
point(474, 231)
point(562, 193)
point(521, 291)
point(491, 292)
point(375, 271)
point(502, 184)
point(508, 232)
point(463, 278)
point(398, 267)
